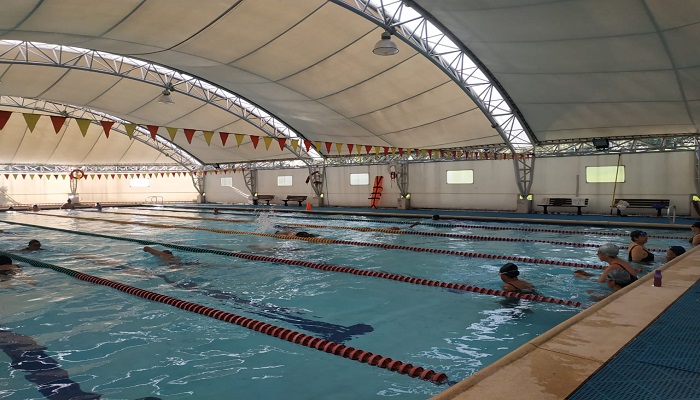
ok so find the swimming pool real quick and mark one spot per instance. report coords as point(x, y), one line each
point(123, 346)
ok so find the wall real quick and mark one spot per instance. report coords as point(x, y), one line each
point(56, 190)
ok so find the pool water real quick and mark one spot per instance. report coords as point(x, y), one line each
point(120, 346)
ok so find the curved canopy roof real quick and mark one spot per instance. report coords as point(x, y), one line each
point(291, 71)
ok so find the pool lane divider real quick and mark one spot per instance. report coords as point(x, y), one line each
point(289, 335)
point(443, 225)
point(393, 231)
point(345, 242)
point(332, 268)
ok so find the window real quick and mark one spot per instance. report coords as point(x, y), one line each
point(359, 179)
point(228, 182)
point(605, 174)
point(460, 177)
point(139, 183)
point(284, 180)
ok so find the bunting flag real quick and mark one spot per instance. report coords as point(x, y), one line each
point(57, 122)
point(4, 117)
point(83, 124)
point(107, 126)
point(282, 142)
point(224, 137)
point(239, 139)
point(189, 134)
point(317, 145)
point(350, 147)
point(295, 144)
point(255, 140)
point(31, 120)
point(328, 147)
point(172, 132)
point(153, 129)
point(207, 136)
point(307, 144)
point(130, 128)
point(268, 141)
point(368, 149)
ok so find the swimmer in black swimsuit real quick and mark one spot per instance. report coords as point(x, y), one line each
point(509, 275)
point(695, 240)
point(636, 251)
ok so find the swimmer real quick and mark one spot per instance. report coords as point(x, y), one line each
point(509, 275)
point(396, 228)
point(673, 252)
point(296, 233)
point(33, 245)
point(68, 205)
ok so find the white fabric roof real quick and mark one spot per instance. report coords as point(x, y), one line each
point(574, 69)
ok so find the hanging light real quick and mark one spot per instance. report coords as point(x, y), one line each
point(385, 46)
point(165, 97)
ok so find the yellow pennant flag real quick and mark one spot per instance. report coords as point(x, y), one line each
point(31, 120)
point(376, 150)
point(83, 124)
point(339, 147)
point(268, 141)
point(295, 144)
point(359, 149)
point(31, 176)
point(207, 136)
point(130, 128)
point(172, 132)
point(318, 146)
point(239, 138)
point(393, 151)
point(422, 153)
point(47, 177)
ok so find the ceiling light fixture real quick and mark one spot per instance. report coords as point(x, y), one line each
point(385, 46)
point(165, 97)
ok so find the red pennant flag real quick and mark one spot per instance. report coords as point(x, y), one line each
point(56, 176)
point(368, 149)
point(224, 138)
point(189, 134)
point(442, 153)
point(328, 147)
point(24, 176)
point(107, 126)
point(57, 122)
point(4, 116)
point(150, 175)
point(138, 176)
point(7, 176)
point(350, 147)
point(386, 150)
point(307, 144)
point(112, 176)
point(430, 153)
point(282, 141)
point(154, 130)
point(400, 151)
point(99, 176)
point(255, 140)
point(162, 174)
point(205, 173)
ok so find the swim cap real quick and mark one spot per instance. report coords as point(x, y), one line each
point(609, 249)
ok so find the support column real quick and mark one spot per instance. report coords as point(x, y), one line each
point(251, 182)
point(524, 172)
point(198, 182)
point(317, 177)
point(404, 202)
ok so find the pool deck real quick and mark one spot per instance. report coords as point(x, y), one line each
point(585, 356)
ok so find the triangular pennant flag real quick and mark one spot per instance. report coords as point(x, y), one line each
point(386, 151)
point(56, 176)
point(150, 175)
point(317, 145)
point(130, 128)
point(376, 150)
point(295, 144)
point(268, 141)
point(92, 176)
point(189, 134)
point(57, 122)
point(255, 140)
point(107, 126)
point(400, 151)
point(207, 136)
point(350, 146)
point(442, 153)
point(112, 176)
point(172, 132)
point(153, 129)
point(7, 176)
point(328, 147)
point(339, 147)
point(31, 176)
point(48, 177)
point(282, 142)
point(31, 120)
point(14, 176)
point(99, 176)
point(83, 124)
point(239, 138)
point(205, 173)
point(368, 149)
point(358, 148)
point(24, 176)
point(307, 144)
point(4, 117)
point(430, 153)
point(224, 137)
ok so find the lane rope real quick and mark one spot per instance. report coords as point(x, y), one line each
point(344, 242)
point(444, 225)
point(330, 268)
point(392, 231)
point(289, 335)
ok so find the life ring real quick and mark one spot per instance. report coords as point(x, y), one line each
point(308, 178)
point(77, 174)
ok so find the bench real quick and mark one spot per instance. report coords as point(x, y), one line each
point(265, 197)
point(643, 203)
point(294, 198)
point(577, 202)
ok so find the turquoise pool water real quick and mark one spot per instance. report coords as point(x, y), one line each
point(121, 346)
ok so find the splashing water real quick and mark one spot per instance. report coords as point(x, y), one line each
point(266, 222)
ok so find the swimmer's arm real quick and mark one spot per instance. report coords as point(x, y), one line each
point(151, 250)
point(414, 224)
point(696, 240)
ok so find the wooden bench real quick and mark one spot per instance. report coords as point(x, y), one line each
point(644, 203)
point(265, 197)
point(577, 202)
point(294, 198)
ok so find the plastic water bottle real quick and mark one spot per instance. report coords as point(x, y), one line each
point(657, 277)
